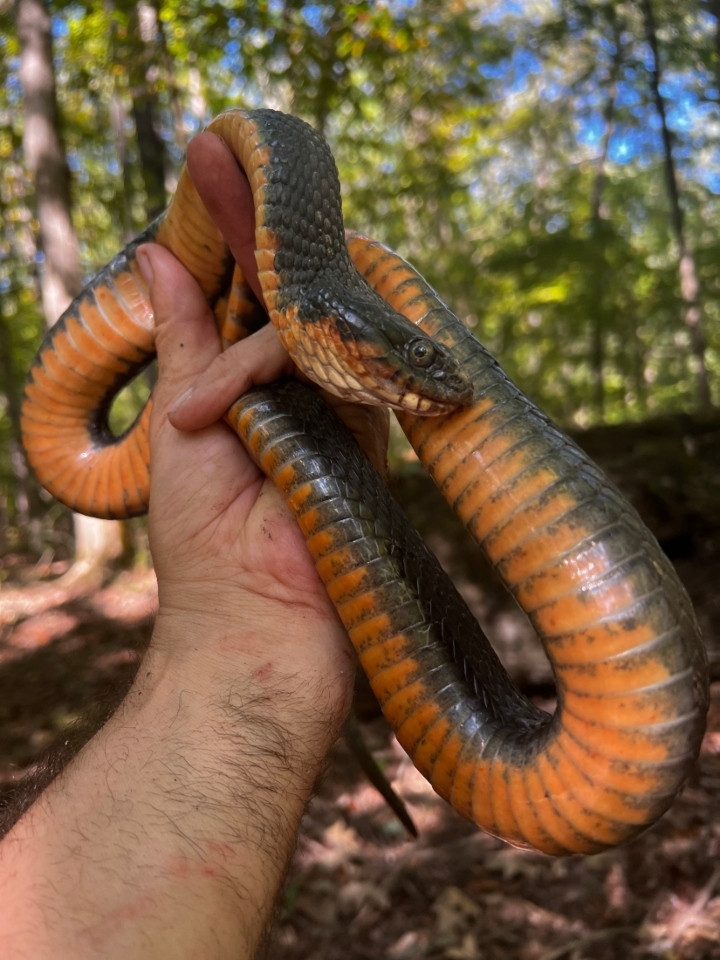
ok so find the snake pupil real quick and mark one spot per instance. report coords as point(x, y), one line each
point(422, 353)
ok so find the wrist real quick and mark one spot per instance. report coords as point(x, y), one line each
point(240, 741)
point(222, 737)
point(293, 662)
point(185, 804)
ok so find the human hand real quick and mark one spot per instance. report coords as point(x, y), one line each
point(230, 559)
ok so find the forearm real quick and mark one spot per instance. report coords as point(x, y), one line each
point(170, 833)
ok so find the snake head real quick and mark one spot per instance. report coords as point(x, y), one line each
point(357, 347)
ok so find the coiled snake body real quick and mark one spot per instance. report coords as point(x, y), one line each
point(616, 623)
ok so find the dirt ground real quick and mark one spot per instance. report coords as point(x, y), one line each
point(358, 887)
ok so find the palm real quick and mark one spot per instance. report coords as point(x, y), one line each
point(224, 524)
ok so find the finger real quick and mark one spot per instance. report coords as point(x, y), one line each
point(186, 339)
point(226, 193)
point(258, 359)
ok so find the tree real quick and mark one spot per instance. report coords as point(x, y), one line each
point(597, 225)
point(689, 285)
point(96, 541)
point(144, 51)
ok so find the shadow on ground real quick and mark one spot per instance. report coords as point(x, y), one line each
point(358, 887)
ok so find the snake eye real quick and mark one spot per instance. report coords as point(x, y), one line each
point(421, 353)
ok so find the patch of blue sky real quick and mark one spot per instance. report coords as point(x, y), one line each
point(523, 63)
point(623, 147)
point(590, 130)
point(232, 59)
point(511, 73)
point(681, 106)
point(642, 142)
point(498, 12)
point(556, 223)
point(501, 179)
point(552, 89)
point(13, 87)
point(495, 71)
point(397, 6)
point(59, 27)
point(236, 27)
point(315, 15)
point(628, 96)
point(709, 176)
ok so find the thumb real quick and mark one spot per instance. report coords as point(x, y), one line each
point(186, 337)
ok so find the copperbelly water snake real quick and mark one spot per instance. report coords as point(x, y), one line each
point(614, 619)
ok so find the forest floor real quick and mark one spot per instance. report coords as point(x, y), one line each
point(358, 887)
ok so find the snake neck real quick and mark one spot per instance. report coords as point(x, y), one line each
point(338, 331)
point(302, 205)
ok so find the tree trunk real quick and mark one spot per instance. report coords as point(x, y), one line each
point(599, 274)
point(117, 122)
point(689, 286)
point(19, 509)
point(638, 374)
point(97, 542)
point(716, 13)
point(143, 72)
point(176, 105)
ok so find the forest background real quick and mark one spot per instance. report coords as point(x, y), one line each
point(551, 166)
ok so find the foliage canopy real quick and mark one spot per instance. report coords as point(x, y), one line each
point(511, 150)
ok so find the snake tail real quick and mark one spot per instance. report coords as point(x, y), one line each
point(355, 741)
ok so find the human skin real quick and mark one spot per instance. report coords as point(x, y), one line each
point(170, 832)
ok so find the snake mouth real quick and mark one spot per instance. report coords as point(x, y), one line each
point(357, 347)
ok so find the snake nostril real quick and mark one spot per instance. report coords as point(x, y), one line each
point(461, 386)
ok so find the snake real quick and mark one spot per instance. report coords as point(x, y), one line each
point(615, 622)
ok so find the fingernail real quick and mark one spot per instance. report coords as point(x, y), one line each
point(181, 400)
point(145, 264)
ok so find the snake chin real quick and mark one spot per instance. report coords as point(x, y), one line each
point(422, 406)
point(379, 392)
point(377, 381)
